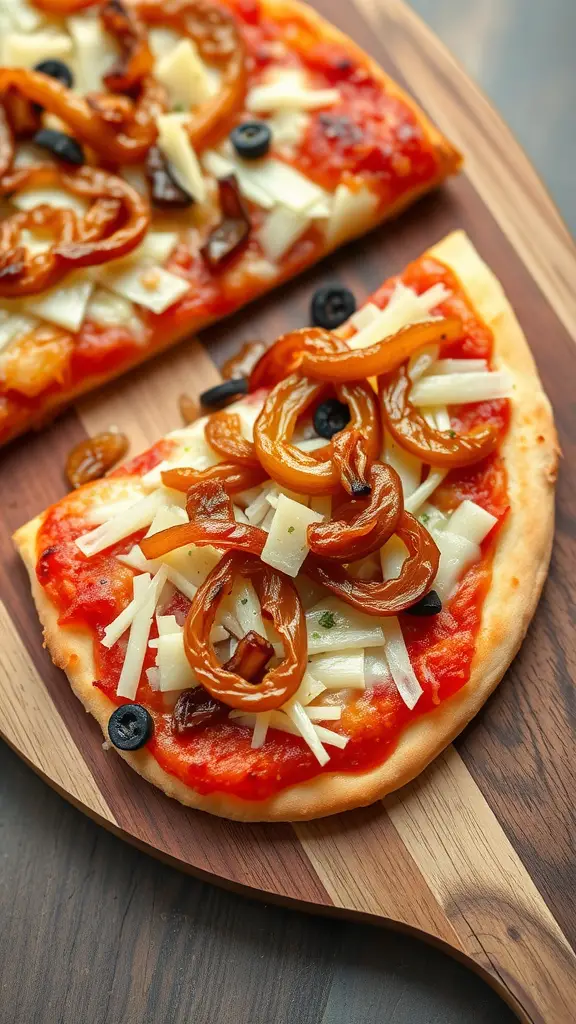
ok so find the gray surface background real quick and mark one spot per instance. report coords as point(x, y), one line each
point(94, 932)
point(522, 54)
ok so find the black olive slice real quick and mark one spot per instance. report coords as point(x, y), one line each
point(430, 604)
point(331, 306)
point(130, 727)
point(61, 145)
point(331, 417)
point(227, 389)
point(251, 140)
point(56, 69)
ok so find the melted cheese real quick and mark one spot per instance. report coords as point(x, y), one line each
point(425, 490)
point(335, 626)
point(95, 51)
point(137, 517)
point(339, 671)
point(174, 142)
point(184, 75)
point(353, 212)
point(26, 50)
point(459, 388)
point(405, 307)
point(280, 230)
point(143, 595)
point(399, 663)
point(153, 288)
point(284, 95)
point(66, 304)
point(138, 640)
point(287, 544)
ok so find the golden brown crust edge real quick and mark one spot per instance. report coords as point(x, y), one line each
point(520, 565)
point(450, 162)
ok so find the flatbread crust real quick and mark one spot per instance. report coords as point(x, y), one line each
point(450, 161)
point(520, 564)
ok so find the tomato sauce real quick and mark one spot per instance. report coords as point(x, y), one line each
point(218, 757)
point(370, 132)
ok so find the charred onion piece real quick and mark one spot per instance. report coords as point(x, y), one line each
point(233, 231)
point(436, 447)
point(383, 357)
point(195, 708)
point(231, 477)
point(389, 596)
point(92, 458)
point(250, 657)
point(304, 472)
point(97, 238)
point(285, 355)
point(211, 522)
point(349, 455)
point(136, 59)
point(215, 31)
point(128, 144)
point(164, 189)
point(280, 602)
point(362, 526)
point(223, 433)
point(6, 143)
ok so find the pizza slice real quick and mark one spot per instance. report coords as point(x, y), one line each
point(289, 607)
point(164, 163)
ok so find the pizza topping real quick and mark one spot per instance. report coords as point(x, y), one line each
point(331, 306)
point(430, 604)
point(285, 355)
point(362, 526)
point(62, 146)
point(194, 709)
point(384, 356)
point(250, 657)
point(212, 521)
point(130, 727)
point(95, 239)
point(224, 391)
point(136, 60)
point(251, 139)
point(232, 477)
point(233, 232)
point(165, 190)
point(92, 458)
point(314, 473)
point(389, 596)
point(330, 417)
point(223, 434)
point(56, 69)
point(410, 429)
point(280, 602)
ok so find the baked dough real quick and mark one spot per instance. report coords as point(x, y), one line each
point(530, 452)
point(164, 336)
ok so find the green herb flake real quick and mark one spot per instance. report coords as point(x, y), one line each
point(424, 518)
point(243, 600)
point(178, 108)
point(451, 433)
point(316, 636)
point(327, 620)
point(291, 529)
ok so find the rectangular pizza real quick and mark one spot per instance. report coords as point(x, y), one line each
point(288, 607)
point(163, 163)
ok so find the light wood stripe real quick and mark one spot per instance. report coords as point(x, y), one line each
point(144, 404)
point(366, 867)
point(499, 169)
point(30, 722)
point(477, 877)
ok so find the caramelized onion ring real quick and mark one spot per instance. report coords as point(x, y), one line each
point(280, 602)
point(117, 206)
point(383, 357)
point(136, 61)
point(215, 31)
point(232, 477)
point(128, 145)
point(63, 7)
point(436, 447)
point(389, 596)
point(285, 355)
point(223, 434)
point(303, 472)
point(370, 525)
point(211, 522)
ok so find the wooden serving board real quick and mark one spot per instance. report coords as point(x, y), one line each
point(477, 854)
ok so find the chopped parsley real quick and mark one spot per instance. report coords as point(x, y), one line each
point(315, 636)
point(451, 433)
point(243, 600)
point(327, 620)
point(178, 108)
point(424, 518)
point(291, 529)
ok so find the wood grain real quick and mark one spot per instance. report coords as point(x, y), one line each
point(478, 853)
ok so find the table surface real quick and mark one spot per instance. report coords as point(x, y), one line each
point(94, 932)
